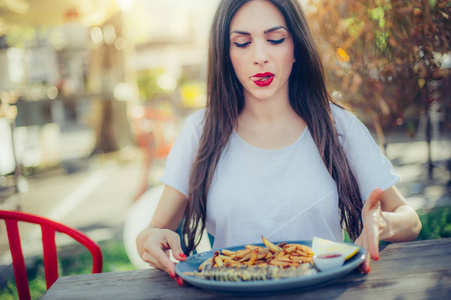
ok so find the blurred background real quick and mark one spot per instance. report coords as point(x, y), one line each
point(93, 93)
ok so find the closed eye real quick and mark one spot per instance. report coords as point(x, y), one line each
point(243, 45)
point(276, 42)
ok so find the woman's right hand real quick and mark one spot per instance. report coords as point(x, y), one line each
point(154, 246)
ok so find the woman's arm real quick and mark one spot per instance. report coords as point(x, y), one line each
point(386, 216)
point(155, 241)
point(402, 223)
point(170, 209)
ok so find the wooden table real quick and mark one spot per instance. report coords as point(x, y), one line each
point(415, 270)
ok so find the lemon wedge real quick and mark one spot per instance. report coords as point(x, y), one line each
point(320, 246)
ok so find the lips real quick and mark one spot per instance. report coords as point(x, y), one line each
point(263, 79)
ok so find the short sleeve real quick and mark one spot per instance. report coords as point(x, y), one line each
point(371, 167)
point(181, 157)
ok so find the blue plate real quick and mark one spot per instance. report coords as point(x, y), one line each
point(264, 286)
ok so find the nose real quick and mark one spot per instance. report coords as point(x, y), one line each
point(261, 56)
point(260, 62)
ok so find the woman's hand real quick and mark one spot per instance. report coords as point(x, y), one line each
point(373, 225)
point(154, 245)
point(386, 216)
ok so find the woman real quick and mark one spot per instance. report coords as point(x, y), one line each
point(272, 154)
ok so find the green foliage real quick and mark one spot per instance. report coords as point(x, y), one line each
point(347, 239)
point(9, 292)
point(21, 36)
point(436, 223)
point(36, 282)
point(378, 15)
point(354, 26)
point(148, 88)
point(390, 72)
point(115, 257)
point(38, 286)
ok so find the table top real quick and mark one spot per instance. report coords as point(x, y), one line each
point(413, 270)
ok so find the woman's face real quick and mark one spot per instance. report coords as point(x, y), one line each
point(261, 50)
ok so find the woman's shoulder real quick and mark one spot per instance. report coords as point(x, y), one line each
point(196, 117)
point(195, 122)
point(340, 111)
point(343, 118)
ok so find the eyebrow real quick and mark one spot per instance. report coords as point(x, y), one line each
point(265, 32)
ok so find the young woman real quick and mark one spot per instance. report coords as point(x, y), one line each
point(272, 154)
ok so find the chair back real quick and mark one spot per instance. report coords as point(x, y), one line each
point(48, 228)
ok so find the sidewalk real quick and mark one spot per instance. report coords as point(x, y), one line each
point(409, 159)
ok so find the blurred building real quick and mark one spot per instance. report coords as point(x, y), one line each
point(45, 57)
point(172, 45)
point(73, 69)
point(45, 102)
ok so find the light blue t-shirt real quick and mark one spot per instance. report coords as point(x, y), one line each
point(284, 194)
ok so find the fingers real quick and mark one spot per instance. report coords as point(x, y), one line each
point(170, 270)
point(155, 245)
point(365, 265)
point(173, 240)
point(361, 242)
point(173, 243)
point(158, 258)
point(373, 200)
point(180, 281)
point(158, 248)
point(174, 276)
point(368, 240)
point(373, 242)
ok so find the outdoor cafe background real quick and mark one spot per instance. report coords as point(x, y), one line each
point(73, 71)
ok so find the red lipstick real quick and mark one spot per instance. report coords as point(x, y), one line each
point(263, 79)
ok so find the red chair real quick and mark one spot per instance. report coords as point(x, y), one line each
point(48, 228)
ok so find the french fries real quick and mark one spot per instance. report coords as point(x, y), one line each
point(283, 255)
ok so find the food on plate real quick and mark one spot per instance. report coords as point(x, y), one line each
point(320, 246)
point(283, 255)
point(258, 263)
point(252, 273)
point(274, 261)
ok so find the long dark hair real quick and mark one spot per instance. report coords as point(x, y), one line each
point(225, 100)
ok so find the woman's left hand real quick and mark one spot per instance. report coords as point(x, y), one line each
point(373, 224)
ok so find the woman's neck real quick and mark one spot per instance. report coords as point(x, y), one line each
point(270, 110)
point(269, 123)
